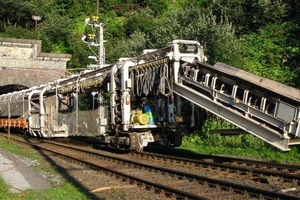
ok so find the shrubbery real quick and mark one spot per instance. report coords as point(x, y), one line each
point(243, 145)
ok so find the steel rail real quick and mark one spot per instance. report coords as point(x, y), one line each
point(256, 171)
point(193, 156)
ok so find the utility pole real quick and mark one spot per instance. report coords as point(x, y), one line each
point(1, 58)
point(9, 123)
point(97, 8)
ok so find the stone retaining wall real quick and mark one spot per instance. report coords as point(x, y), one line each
point(23, 63)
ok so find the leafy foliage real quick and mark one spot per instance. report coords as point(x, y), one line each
point(18, 32)
point(139, 21)
point(205, 137)
point(55, 32)
point(248, 16)
point(16, 13)
point(253, 35)
point(242, 146)
point(201, 25)
point(266, 53)
point(127, 47)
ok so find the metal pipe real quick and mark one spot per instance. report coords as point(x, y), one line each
point(9, 116)
point(113, 92)
point(42, 110)
point(56, 98)
point(29, 109)
point(76, 112)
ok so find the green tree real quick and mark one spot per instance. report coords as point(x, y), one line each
point(143, 20)
point(269, 30)
point(16, 13)
point(130, 47)
point(114, 26)
point(55, 32)
point(157, 6)
point(265, 53)
point(17, 32)
point(249, 15)
point(192, 23)
point(293, 41)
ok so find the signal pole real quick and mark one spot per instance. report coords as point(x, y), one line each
point(100, 58)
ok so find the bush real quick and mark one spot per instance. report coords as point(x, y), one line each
point(245, 145)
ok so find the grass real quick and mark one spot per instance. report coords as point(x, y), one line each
point(246, 146)
point(63, 190)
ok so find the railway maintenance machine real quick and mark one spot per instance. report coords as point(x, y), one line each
point(151, 98)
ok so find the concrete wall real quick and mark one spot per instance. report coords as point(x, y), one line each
point(23, 63)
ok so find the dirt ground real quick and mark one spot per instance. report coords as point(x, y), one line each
point(96, 184)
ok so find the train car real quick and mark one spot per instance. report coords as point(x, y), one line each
point(132, 102)
point(153, 98)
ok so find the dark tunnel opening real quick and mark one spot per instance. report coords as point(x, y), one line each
point(11, 88)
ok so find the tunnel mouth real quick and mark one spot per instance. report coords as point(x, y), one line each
point(11, 88)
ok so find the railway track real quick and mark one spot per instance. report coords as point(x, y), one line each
point(173, 183)
point(227, 160)
point(259, 171)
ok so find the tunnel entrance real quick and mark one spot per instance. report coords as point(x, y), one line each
point(11, 88)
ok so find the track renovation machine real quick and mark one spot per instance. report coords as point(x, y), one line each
point(152, 98)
